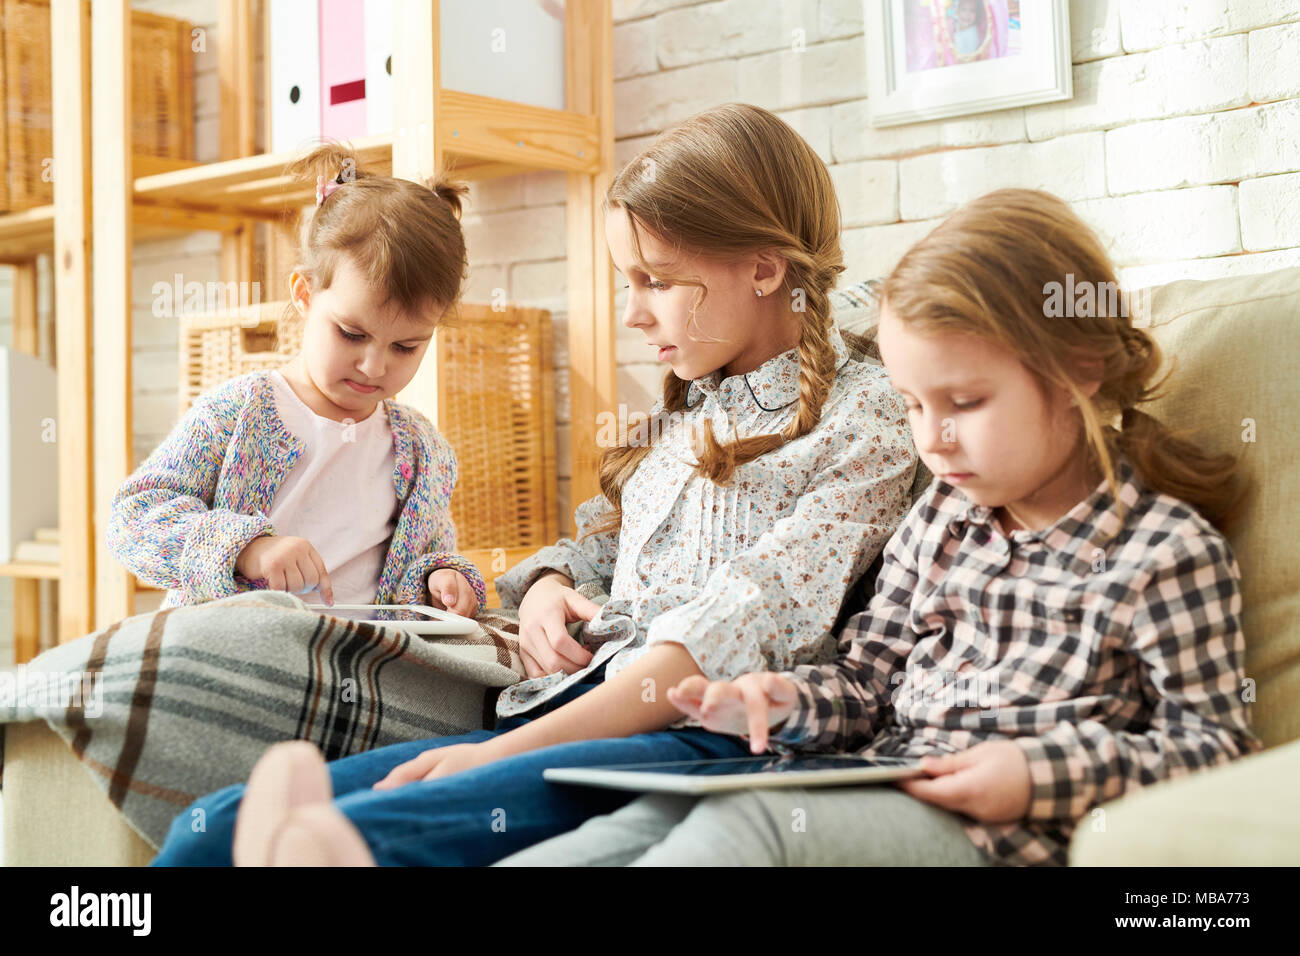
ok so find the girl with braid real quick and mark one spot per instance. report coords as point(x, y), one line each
point(728, 533)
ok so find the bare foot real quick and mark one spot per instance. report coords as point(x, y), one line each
point(319, 835)
point(288, 776)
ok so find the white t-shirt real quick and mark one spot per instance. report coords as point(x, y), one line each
point(339, 496)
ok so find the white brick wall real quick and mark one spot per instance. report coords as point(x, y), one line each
point(934, 184)
point(1274, 63)
point(1146, 24)
point(868, 192)
point(814, 125)
point(853, 136)
point(1094, 29)
point(728, 29)
point(1270, 213)
point(1198, 77)
point(1181, 145)
point(823, 73)
point(1222, 147)
point(1175, 224)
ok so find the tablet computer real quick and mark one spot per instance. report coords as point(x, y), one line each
point(412, 618)
point(740, 773)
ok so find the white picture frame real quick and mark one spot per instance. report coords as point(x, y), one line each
point(924, 63)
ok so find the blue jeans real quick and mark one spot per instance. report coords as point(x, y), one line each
point(474, 817)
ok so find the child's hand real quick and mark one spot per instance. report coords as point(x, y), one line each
point(751, 703)
point(547, 609)
point(438, 762)
point(451, 591)
point(286, 564)
point(990, 782)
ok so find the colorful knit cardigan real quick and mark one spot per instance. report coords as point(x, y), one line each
point(182, 518)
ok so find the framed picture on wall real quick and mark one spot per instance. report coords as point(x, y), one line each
point(931, 59)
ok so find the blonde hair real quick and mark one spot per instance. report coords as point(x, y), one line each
point(404, 237)
point(733, 181)
point(987, 271)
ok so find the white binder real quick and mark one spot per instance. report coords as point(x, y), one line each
point(379, 78)
point(295, 74)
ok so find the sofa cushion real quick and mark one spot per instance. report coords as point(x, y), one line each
point(1235, 353)
point(856, 308)
point(1242, 814)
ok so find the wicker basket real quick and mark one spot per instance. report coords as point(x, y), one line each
point(496, 396)
point(162, 96)
point(216, 347)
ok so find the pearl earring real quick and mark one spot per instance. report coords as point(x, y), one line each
point(758, 292)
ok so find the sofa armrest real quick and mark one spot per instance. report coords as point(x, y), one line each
point(1240, 814)
point(54, 814)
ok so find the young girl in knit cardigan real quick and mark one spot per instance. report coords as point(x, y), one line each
point(309, 478)
point(1057, 621)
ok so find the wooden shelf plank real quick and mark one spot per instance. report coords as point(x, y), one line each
point(481, 129)
point(47, 570)
point(26, 233)
point(485, 138)
point(29, 232)
point(253, 185)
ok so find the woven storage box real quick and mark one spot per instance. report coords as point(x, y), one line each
point(216, 347)
point(496, 401)
point(162, 96)
point(496, 396)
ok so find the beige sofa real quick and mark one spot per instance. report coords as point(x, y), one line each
point(1237, 354)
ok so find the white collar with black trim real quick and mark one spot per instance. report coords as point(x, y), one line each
point(774, 384)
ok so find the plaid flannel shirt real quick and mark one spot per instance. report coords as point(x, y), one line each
point(1109, 650)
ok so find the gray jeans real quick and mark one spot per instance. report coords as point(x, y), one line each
point(832, 826)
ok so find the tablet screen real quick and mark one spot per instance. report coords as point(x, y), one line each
point(398, 614)
point(772, 763)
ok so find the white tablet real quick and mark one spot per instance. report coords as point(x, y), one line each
point(740, 773)
point(412, 618)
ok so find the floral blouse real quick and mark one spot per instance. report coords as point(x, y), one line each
point(748, 576)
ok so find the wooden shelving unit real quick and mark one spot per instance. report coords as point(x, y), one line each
point(138, 197)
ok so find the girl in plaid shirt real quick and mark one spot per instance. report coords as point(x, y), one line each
point(1056, 622)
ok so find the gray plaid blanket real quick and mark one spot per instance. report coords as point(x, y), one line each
point(162, 708)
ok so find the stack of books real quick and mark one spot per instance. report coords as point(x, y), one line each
point(44, 548)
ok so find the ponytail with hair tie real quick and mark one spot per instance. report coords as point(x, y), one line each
point(404, 237)
point(450, 192)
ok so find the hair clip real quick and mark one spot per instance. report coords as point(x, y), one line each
point(324, 188)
